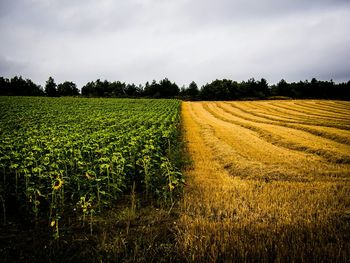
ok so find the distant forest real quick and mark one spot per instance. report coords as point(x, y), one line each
point(224, 89)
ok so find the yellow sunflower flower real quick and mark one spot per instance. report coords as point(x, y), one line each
point(88, 176)
point(57, 184)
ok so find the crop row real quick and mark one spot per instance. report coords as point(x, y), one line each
point(63, 155)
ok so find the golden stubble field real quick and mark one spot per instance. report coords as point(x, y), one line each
point(269, 181)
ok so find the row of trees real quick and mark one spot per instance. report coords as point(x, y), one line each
point(314, 89)
point(231, 90)
point(17, 86)
point(164, 89)
point(224, 89)
point(67, 88)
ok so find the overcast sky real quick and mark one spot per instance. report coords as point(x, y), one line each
point(140, 40)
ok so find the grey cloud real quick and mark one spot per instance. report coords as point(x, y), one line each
point(184, 40)
point(10, 67)
point(225, 11)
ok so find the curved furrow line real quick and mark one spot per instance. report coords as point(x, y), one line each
point(231, 160)
point(292, 135)
point(210, 130)
point(269, 154)
point(341, 104)
point(311, 123)
point(324, 134)
point(253, 115)
point(277, 115)
point(308, 113)
point(280, 141)
point(253, 169)
point(257, 115)
point(249, 143)
point(327, 112)
point(304, 111)
point(287, 107)
point(333, 106)
point(331, 121)
point(287, 114)
point(344, 103)
point(218, 145)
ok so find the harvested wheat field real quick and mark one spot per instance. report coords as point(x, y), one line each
point(269, 181)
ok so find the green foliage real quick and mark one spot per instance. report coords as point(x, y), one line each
point(67, 88)
point(224, 89)
point(230, 90)
point(51, 88)
point(17, 86)
point(82, 154)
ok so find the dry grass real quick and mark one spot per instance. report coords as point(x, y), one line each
point(261, 189)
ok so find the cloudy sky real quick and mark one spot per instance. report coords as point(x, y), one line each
point(184, 40)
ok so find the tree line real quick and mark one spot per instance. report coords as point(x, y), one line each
point(224, 89)
point(17, 86)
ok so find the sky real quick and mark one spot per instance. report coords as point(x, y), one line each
point(135, 41)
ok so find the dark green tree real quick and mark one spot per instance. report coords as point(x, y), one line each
point(50, 87)
point(164, 89)
point(262, 89)
point(17, 86)
point(283, 88)
point(192, 90)
point(118, 89)
point(132, 90)
point(168, 89)
point(88, 89)
point(5, 86)
point(67, 88)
